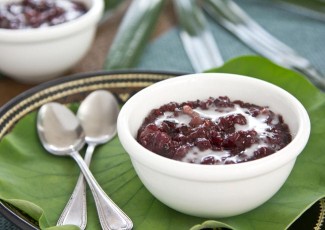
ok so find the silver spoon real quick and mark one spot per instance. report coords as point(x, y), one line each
point(98, 115)
point(62, 134)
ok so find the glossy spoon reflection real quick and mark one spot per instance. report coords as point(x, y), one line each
point(61, 134)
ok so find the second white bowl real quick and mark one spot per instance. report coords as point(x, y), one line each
point(40, 54)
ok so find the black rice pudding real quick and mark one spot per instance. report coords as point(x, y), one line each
point(213, 131)
point(39, 13)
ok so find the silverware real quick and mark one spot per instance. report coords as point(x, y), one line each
point(98, 116)
point(62, 134)
point(197, 39)
point(233, 18)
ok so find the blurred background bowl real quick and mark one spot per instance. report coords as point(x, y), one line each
point(213, 190)
point(39, 54)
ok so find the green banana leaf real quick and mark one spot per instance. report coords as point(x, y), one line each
point(40, 184)
point(133, 34)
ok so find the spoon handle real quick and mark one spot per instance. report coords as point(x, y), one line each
point(75, 211)
point(110, 215)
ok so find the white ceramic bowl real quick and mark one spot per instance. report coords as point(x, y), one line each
point(213, 190)
point(40, 54)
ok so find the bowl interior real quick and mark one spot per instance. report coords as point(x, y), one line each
point(202, 86)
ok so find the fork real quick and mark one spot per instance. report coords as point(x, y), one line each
point(229, 15)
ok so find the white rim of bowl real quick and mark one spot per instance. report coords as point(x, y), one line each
point(92, 16)
point(233, 171)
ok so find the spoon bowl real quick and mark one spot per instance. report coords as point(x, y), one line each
point(60, 134)
point(98, 116)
